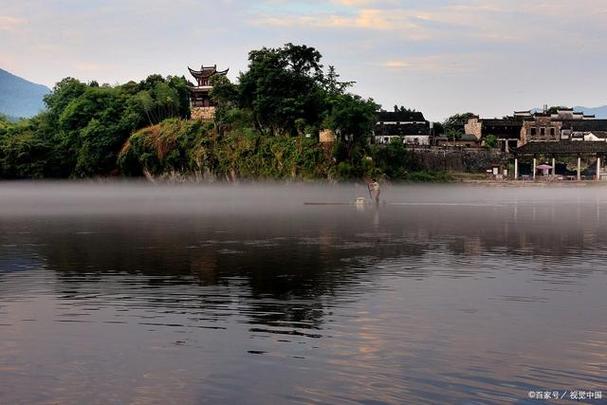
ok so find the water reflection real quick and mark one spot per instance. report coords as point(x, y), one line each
point(194, 295)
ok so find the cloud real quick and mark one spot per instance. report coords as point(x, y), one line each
point(468, 50)
point(11, 23)
point(489, 21)
point(372, 19)
point(438, 64)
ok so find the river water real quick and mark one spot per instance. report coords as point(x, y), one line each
point(130, 293)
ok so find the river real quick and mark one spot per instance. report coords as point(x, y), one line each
point(133, 293)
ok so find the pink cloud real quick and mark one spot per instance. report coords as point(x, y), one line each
point(8, 23)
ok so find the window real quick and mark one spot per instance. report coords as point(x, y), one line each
point(552, 131)
point(532, 131)
point(542, 131)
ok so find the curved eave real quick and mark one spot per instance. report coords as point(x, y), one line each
point(207, 73)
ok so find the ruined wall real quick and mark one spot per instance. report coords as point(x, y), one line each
point(474, 127)
point(541, 129)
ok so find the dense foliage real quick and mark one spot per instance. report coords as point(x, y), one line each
point(266, 126)
point(85, 126)
point(176, 148)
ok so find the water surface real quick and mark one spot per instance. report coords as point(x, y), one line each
point(205, 294)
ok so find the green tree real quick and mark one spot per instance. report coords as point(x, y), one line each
point(491, 141)
point(23, 153)
point(225, 97)
point(63, 93)
point(332, 85)
point(555, 108)
point(282, 86)
point(352, 118)
point(456, 122)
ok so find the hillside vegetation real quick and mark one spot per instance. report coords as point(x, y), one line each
point(266, 127)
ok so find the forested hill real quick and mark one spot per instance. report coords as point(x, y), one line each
point(20, 98)
point(599, 112)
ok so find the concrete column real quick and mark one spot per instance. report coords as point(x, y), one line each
point(516, 169)
point(507, 149)
point(579, 168)
point(598, 168)
point(553, 166)
point(534, 167)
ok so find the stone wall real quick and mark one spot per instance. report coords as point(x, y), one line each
point(470, 161)
point(203, 113)
point(327, 136)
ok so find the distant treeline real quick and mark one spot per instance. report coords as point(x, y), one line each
point(266, 127)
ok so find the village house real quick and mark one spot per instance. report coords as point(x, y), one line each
point(408, 127)
point(592, 136)
point(507, 130)
point(526, 126)
point(590, 130)
point(541, 127)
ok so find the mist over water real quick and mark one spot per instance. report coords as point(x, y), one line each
point(137, 293)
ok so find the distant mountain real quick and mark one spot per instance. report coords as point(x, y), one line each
point(20, 98)
point(599, 112)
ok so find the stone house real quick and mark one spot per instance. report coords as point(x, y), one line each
point(506, 130)
point(525, 126)
point(541, 128)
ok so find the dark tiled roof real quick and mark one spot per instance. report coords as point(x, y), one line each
point(562, 148)
point(585, 125)
point(402, 129)
point(508, 121)
point(503, 128)
point(400, 116)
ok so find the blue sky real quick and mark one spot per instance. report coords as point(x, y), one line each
point(438, 56)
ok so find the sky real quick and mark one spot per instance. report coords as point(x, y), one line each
point(490, 57)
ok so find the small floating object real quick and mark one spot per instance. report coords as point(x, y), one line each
point(358, 202)
point(326, 203)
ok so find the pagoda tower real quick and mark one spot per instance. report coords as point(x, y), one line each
point(201, 105)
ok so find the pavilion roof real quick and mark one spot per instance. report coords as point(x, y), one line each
point(207, 71)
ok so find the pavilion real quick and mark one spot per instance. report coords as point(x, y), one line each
point(200, 94)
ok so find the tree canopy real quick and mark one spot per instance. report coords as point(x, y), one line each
point(90, 129)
